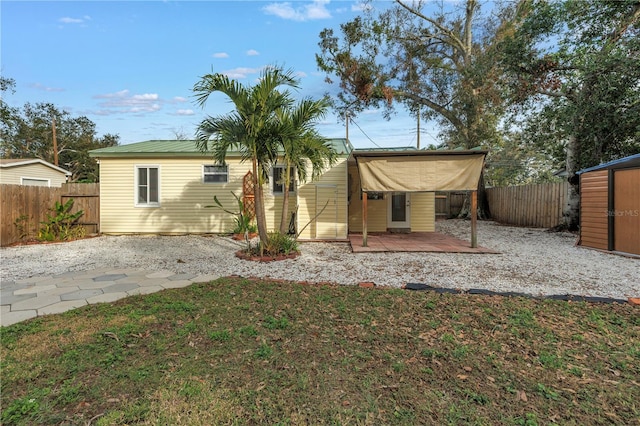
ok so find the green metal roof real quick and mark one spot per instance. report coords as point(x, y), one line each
point(180, 148)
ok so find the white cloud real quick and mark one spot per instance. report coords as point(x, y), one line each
point(44, 88)
point(220, 55)
point(252, 52)
point(241, 72)
point(185, 112)
point(179, 99)
point(300, 74)
point(307, 12)
point(69, 20)
point(124, 102)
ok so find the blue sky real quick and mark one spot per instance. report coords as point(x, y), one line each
point(129, 66)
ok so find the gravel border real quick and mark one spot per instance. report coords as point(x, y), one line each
point(531, 261)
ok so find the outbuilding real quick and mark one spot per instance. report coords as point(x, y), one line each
point(610, 206)
point(31, 171)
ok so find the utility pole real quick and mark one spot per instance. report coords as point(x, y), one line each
point(418, 135)
point(55, 142)
point(346, 119)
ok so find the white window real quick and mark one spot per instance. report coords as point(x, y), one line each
point(147, 186)
point(35, 181)
point(277, 185)
point(215, 173)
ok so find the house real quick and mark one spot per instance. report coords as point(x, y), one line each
point(31, 171)
point(166, 186)
point(610, 206)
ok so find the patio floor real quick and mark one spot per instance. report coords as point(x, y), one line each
point(415, 242)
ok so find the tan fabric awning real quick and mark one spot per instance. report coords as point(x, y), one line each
point(420, 171)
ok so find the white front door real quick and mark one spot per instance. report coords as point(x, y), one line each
point(399, 210)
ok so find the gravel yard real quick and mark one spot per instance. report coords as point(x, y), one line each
point(530, 261)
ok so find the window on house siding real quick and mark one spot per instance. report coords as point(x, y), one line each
point(277, 185)
point(215, 173)
point(147, 186)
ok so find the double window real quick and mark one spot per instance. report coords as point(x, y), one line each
point(147, 186)
point(215, 173)
point(278, 175)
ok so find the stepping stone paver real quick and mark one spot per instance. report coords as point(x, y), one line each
point(34, 289)
point(15, 317)
point(80, 294)
point(178, 277)
point(106, 298)
point(110, 277)
point(204, 278)
point(10, 298)
point(91, 285)
point(60, 307)
point(160, 274)
point(34, 303)
point(59, 291)
point(145, 290)
point(177, 284)
point(120, 287)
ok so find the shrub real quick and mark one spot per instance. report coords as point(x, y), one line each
point(62, 225)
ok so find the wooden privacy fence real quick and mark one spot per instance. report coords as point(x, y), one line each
point(22, 208)
point(537, 206)
point(449, 204)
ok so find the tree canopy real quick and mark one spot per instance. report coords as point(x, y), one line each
point(27, 132)
point(572, 72)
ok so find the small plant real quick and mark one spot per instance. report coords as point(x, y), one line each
point(278, 243)
point(276, 323)
point(220, 336)
point(22, 226)
point(62, 225)
point(19, 410)
point(264, 351)
point(243, 222)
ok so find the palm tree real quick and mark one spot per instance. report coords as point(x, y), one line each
point(302, 146)
point(252, 129)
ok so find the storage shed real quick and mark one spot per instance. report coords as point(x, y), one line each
point(610, 206)
point(31, 171)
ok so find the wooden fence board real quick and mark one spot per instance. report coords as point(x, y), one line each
point(536, 206)
point(23, 207)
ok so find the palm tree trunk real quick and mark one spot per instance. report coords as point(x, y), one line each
point(261, 220)
point(284, 223)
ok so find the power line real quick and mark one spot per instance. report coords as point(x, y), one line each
point(367, 136)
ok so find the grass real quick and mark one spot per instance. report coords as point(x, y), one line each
point(238, 351)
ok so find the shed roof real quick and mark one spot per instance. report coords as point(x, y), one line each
point(630, 161)
point(181, 148)
point(7, 163)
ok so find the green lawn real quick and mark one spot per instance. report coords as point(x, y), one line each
point(236, 351)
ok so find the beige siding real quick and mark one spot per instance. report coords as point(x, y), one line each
point(183, 197)
point(423, 212)
point(330, 190)
point(14, 175)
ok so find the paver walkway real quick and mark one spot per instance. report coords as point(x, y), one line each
point(51, 294)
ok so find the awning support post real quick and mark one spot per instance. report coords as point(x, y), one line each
point(474, 219)
point(364, 219)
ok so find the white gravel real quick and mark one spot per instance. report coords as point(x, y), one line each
point(531, 261)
